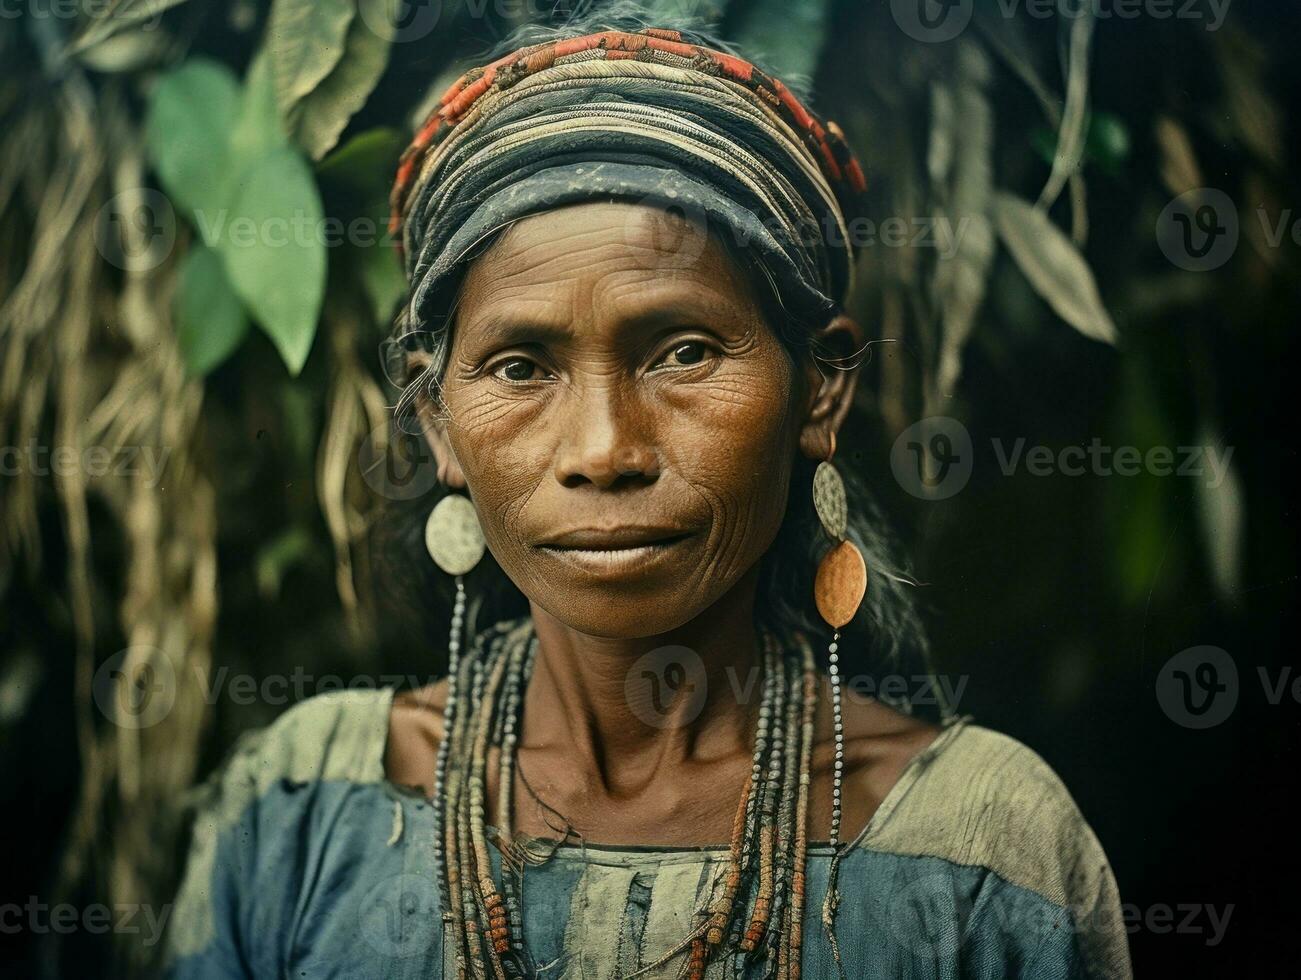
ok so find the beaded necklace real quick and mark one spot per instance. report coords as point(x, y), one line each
point(755, 917)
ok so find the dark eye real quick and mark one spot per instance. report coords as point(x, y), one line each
point(690, 352)
point(516, 369)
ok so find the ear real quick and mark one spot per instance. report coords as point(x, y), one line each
point(434, 426)
point(830, 384)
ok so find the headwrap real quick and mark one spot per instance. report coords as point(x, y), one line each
point(644, 117)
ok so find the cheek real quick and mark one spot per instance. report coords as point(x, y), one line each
point(502, 467)
point(734, 447)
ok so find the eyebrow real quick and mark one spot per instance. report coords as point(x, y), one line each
point(502, 328)
point(506, 330)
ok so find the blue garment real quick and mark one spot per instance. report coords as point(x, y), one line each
point(307, 862)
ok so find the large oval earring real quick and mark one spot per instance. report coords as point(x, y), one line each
point(454, 540)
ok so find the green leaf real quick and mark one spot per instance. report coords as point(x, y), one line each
point(258, 130)
point(1053, 266)
point(305, 39)
point(274, 250)
point(190, 114)
point(319, 118)
point(366, 163)
point(210, 321)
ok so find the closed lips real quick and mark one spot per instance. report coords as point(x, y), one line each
point(613, 539)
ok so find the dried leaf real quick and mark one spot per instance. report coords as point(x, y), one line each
point(305, 39)
point(1075, 114)
point(965, 236)
point(319, 119)
point(1179, 170)
point(117, 16)
point(127, 51)
point(1053, 266)
point(1220, 512)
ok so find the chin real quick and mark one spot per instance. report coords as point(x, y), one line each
point(630, 612)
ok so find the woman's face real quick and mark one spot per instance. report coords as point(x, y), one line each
point(625, 419)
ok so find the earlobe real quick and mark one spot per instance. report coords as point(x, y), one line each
point(434, 429)
point(450, 473)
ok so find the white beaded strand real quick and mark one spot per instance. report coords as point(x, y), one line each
point(838, 720)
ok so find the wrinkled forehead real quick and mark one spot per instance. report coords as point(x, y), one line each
point(612, 236)
point(606, 262)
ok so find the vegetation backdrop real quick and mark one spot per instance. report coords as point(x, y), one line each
point(1085, 240)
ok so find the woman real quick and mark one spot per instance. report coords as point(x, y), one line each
point(625, 342)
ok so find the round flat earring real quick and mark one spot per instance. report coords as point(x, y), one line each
point(454, 540)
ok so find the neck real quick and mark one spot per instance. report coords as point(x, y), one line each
point(626, 709)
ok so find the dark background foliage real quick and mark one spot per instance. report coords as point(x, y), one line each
point(1057, 600)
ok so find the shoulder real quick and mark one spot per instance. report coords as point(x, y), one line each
point(415, 727)
point(976, 797)
point(330, 738)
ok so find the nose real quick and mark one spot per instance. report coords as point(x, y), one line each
point(605, 443)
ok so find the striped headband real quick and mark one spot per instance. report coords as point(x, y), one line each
point(644, 117)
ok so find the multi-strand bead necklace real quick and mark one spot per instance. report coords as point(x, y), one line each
point(755, 911)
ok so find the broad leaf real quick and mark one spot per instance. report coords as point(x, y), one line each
point(319, 119)
point(305, 39)
point(1053, 266)
point(366, 163)
point(258, 129)
point(210, 321)
point(274, 250)
point(190, 115)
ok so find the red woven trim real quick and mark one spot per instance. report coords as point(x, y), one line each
point(827, 143)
